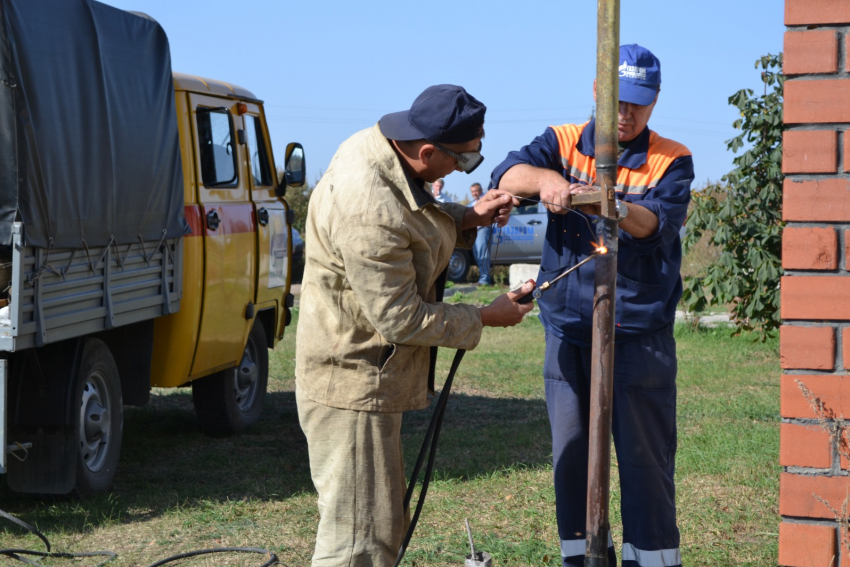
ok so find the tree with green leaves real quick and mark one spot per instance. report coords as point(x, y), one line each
point(743, 214)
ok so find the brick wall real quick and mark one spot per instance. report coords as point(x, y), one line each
point(815, 335)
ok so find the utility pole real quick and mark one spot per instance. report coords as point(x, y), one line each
point(604, 299)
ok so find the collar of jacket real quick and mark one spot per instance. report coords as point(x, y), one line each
point(632, 158)
point(389, 162)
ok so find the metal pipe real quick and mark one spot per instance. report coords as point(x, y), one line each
point(605, 279)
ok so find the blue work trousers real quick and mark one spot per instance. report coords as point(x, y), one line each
point(481, 252)
point(644, 430)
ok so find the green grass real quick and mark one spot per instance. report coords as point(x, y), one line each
point(178, 490)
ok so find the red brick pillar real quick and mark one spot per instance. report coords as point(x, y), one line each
point(815, 335)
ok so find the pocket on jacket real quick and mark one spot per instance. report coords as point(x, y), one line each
point(388, 352)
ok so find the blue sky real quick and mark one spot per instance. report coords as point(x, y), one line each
point(328, 69)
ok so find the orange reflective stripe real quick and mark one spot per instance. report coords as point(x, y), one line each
point(576, 164)
point(660, 154)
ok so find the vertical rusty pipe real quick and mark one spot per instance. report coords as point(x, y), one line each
point(602, 351)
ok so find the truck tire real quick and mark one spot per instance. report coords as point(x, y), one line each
point(232, 400)
point(459, 265)
point(99, 413)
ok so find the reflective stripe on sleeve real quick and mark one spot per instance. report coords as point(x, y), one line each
point(656, 558)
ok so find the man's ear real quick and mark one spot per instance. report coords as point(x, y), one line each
point(426, 152)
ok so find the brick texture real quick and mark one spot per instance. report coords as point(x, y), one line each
point(806, 545)
point(833, 390)
point(804, 446)
point(809, 248)
point(797, 495)
point(810, 151)
point(819, 200)
point(804, 12)
point(807, 347)
point(810, 52)
point(816, 102)
point(818, 298)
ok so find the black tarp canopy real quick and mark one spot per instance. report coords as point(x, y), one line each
point(89, 149)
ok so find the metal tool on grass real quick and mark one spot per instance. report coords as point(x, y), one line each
point(480, 559)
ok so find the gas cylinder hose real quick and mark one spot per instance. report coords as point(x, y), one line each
point(21, 554)
point(429, 446)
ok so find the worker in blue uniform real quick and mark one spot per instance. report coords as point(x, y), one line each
point(653, 191)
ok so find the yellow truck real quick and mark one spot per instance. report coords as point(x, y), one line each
point(145, 239)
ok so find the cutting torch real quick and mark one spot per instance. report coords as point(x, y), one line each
point(539, 289)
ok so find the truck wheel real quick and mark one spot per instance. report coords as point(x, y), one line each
point(100, 418)
point(459, 265)
point(230, 401)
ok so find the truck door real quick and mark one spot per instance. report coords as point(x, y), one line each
point(227, 216)
point(273, 231)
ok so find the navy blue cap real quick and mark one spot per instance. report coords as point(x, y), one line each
point(640, 74)
point(443, 113)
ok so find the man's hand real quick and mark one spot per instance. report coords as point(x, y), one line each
point(523, 180)
point(493, 207)
point(579, 188)
point(505, 311)
point(555, 194)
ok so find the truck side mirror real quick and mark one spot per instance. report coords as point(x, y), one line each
point(296, 171)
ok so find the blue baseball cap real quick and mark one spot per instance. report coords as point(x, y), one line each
point(640, 75)
point(443, 113)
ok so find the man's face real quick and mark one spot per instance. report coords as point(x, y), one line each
point(437, 187)
point(476, 191)
point(633, 118)
point(441, 164)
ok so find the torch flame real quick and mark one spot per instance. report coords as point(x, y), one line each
point(602, 250)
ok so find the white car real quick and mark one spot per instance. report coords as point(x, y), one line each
point(518, 242)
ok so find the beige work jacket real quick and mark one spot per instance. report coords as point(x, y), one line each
point(375, 246)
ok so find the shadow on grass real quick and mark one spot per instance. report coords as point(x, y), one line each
point(168, 463)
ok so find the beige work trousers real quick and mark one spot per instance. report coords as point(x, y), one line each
point(357, 467)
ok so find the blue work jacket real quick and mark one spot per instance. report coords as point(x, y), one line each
point(653, 172)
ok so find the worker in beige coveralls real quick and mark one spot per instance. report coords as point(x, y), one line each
point(376, 245)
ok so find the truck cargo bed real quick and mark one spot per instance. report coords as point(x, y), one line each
point(62, 293)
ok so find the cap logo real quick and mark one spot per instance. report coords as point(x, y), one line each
point(632, 72)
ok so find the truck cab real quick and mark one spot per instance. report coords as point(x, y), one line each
point(236, 296)
point(154, 254)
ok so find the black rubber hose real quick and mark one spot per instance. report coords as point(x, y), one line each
point(272, 557)
point(429, 447)
point(20, 554)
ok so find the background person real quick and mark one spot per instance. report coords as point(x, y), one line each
point(377, 244)
point(653, 186)
point(437, 191)
point(481, 248)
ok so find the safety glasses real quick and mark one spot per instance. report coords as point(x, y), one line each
point(467, 161)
